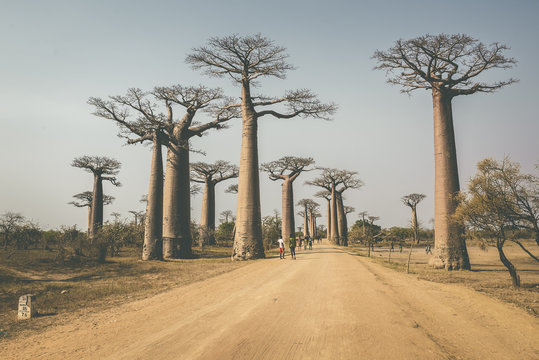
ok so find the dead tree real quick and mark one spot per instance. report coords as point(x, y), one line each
point(446, 65)
point(84, 199)
point(210, 175)
point(247, 60)
point(103, 169)
point(411, 201)
point(287, 168)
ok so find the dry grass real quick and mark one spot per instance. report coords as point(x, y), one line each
point(488, 274)
point(78, 287)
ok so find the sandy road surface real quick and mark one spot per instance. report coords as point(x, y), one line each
point(327, 304)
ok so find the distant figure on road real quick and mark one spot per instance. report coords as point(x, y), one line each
point(428, 250)
point(310, 243)
point(307, 238)
point(292, 245)
point(281, 248)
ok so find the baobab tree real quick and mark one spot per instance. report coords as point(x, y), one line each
point(306, 204)
point(210, 175)
point(362, 216)
point(325, 194)
point(336, 182)
point(411, 201)
point(8, 223)
point(288, 169)
point(150, 125)
point(137, 215)
point(103, 169)
point(446, 65)
point(177, 200)
point(225, 215)
point(247, 60)
point(84, 199)
point(372, 219)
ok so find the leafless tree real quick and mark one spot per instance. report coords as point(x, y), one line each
point(148, 125)
point(137, 215)
point(372, 219)
point(362, 216)
point(8, 223)
point(246, 60)
point(177, 201)
point(308, 206)
point(411, 201)
point(232, 189)
point(84, 199)
point(336, 182)
point(225, 215)
point(287, 168)
point(448, 66)
point(325, 194)
point(103, 169)
point(210, 175)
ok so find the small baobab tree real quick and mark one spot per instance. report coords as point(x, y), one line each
point(371, 234)
point(226, 215)
point(325, 194)
point(306, 205)
point(103, 169)
point(84, 199)
point(288, 169)
point(411, 201)
point(362, 216)
point(9, 221)
point(210, 175)
point(247, 60)
point(137, 216)
point(448, 66)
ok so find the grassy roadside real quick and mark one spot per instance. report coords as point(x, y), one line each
point(75, 288)
point(487, 276)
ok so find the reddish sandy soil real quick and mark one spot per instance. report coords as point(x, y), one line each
point(327, 304)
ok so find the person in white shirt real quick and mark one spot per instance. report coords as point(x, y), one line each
point(281, 248)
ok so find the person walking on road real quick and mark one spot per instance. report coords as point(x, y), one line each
point(292, 245)
point(281, 248)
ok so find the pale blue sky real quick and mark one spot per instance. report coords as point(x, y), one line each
point(56, 54)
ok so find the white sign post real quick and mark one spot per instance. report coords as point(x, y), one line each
point(27, 308)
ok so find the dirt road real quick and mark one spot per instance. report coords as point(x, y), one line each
point(327, 304)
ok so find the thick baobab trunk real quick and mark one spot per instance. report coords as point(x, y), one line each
point(449, 245)
point(334, 222)
point(415, 225)
point(288, 228)
point(153, 226)
point(328, 227)
point(207, 218)
point(177, 203)
point(97, 206)
point(305, 222)
point(89, 219)
point(341, 222)
point(248, 239)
